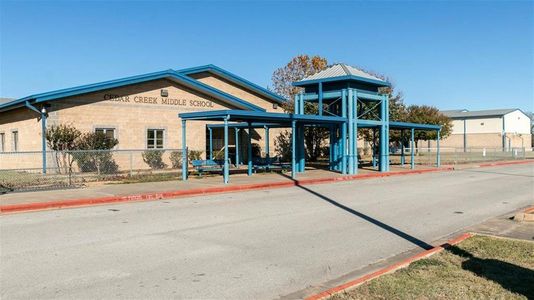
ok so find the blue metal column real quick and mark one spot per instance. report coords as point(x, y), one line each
point(384, 140)
point(351, 133)
point(331, 149)
point(236, 147)
point(355, 129)
point(335, 158)
point(226, 173)
point(301, 146)
point(184, 152)
point(267, 142)
point(412, 149)
point(373, 146)
point(211, 142)
point(344, 132)
point(249, 150)
point(402, 147)
point(386, 97)
point(43, 137)
point(320, 100)
point(297, 105)
point(293, 149)
point(438, 154)
point(301, 103)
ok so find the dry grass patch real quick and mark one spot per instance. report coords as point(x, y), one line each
point(478, 268)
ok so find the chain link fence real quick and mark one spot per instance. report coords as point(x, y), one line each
point(21, 171)
point(456, 156)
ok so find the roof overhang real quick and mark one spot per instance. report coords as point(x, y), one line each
point(168, 74)
point(342, 78)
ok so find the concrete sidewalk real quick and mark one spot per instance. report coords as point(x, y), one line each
point(116, 192)
point(194, 183)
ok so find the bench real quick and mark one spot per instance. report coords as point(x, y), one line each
point(208, 165)
point(269, 164)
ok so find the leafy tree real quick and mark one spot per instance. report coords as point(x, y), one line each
point(63, 138)
point(425, 114)
point(298, 68)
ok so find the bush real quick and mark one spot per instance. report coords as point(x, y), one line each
point(100, 161)
point(176, 159)
point(154, 159)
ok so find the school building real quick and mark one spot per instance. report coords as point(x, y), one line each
point(504, 129)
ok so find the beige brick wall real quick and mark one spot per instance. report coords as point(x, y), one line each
point(483, 140)
point(130, 111)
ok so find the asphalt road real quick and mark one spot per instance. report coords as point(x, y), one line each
point(258, 244)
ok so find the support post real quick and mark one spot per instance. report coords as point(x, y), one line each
point(184, 152)
point(438, 154)
point(344, 132)
point(355, 129)
point(293, 149)
point(374, 148)
point(267, 142)
point(226, 173)
point(301, 152)
point(296, 104)
point(351, 133)
point(384, 135)
point(43, 137)
point(465, 135)
point(412, 149)
point(211, 143)
point(249, 150)
point(236, 147)
point(402, 147)
point(301, 103)
point(320, 100)
point(331, 148)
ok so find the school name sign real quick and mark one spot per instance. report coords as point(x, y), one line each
point(159, 100)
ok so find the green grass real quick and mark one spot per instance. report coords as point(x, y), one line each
point(479, 268)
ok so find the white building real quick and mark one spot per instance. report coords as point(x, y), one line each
point(496, 128)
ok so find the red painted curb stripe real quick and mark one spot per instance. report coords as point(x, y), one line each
point(388, 269)
point(199, 191)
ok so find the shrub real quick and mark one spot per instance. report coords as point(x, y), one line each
point(101, 160)
point(154, 159)
point(176, 159)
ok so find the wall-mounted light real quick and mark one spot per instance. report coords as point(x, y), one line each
point(275, 105)
point(164, 93)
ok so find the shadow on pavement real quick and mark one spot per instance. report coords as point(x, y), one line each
point(514, 278)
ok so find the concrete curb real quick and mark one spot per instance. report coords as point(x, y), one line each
point(35, 206)
point(387, 270)
point(507, 163)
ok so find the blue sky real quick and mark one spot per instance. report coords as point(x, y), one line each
point(473, 55)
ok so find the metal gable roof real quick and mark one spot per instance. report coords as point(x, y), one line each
point(341, 72)
point(463, 113)
point(235, 79)
point(170, 74)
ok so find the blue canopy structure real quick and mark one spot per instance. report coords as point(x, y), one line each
point(348, 99)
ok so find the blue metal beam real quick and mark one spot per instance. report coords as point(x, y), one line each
point(320, 101)
point(344, 132)
point(351, 132)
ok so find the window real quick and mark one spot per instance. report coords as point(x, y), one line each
point(154, 138)
point(108, 132)
point(15, 136)
point(2, 142)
